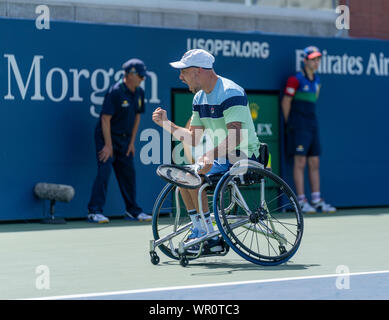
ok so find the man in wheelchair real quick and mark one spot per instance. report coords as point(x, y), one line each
point(220, 107)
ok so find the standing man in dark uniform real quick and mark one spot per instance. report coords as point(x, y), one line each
point(115, 135)
point(298, 106)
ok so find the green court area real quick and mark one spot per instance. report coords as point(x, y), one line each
point(41, 260)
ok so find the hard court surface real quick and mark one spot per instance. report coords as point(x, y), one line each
point(342, 256)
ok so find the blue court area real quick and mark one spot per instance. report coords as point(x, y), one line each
point(342, 286)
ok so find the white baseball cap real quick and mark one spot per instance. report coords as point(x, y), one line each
point(195, 58)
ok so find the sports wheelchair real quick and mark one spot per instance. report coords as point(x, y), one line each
point(255, 213)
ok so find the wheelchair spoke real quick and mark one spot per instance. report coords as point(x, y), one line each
point(284, 206)
point(285, 225)
point(269, 244)
point(276, 198)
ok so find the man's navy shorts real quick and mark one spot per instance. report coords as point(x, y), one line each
point(303, 142)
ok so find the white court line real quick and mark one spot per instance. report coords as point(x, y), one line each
point(100, 294)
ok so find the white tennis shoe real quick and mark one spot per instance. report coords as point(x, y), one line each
point(306, 207)
point(97, 218)
point(144, 217)
point(322, 206)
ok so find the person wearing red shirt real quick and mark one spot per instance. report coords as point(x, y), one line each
point(299, 110)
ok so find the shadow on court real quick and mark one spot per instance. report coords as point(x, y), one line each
point(228, 267)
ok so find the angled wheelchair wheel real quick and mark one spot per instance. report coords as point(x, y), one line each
point(165, 222)
point(171, 223)
point(263, 223)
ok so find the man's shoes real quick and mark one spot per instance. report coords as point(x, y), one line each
point(97, 218)
point(210, 246)
point(322, 206)
point(214, 245)
point(306, 207)
point(143, 217)
point(196, 233)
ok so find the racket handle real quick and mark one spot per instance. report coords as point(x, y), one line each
point(198, 166)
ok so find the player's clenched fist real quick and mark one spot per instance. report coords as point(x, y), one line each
point(159, 116)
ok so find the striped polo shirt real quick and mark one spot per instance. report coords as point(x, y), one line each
point(226, 103)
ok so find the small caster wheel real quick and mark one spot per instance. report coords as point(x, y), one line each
point(184, 261)
point(154, 258)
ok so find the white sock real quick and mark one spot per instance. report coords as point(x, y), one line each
point(301, 197)
point(196, 220)
point(315, 196)
point(208, 221)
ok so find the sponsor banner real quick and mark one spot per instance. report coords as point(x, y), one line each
point(53, 84)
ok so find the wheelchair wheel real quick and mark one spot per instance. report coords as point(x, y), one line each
point(171, 223)
point(265, 225)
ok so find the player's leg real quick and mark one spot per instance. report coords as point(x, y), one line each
point(314, 173)
point(298, 174)
point(213, 244)
point(314, 176)
point(313, 155)
point(99, 192)
point(100, 185)
point(189, 196)
point(126, 176)
point(301, 141)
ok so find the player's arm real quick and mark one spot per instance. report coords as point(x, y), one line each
point(286, 104)
point(135, 127)
point(107, 150)
point(227, 146)
point(131, 146)
point(139, 111)
point(107, 111)
point(191, 136)
point(318, 91)
point(289, 92)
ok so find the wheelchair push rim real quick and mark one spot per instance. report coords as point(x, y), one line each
point(261, 232)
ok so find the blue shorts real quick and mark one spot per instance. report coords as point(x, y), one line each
point(303, 142)
point(221, 166)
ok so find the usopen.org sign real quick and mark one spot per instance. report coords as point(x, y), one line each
point(231, 48)
point(99, 81)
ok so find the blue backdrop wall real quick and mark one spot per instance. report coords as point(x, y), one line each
point(53, 83)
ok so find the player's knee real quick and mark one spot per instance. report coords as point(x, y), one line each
point(314, 163)
point(300, 161)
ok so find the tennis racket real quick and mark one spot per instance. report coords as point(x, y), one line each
point(182, 176)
